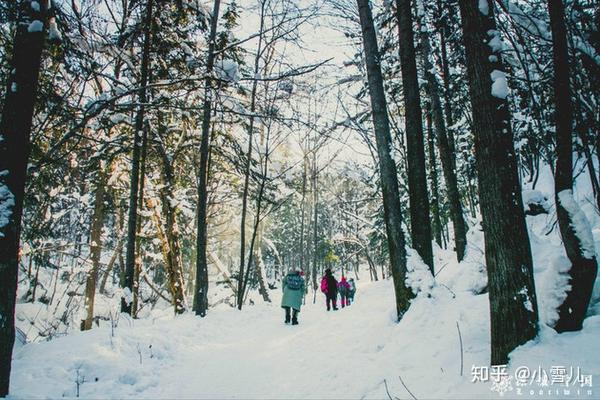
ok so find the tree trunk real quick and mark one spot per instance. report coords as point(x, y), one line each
point(591, 170)
point(303, 211)
point(420, 221)
point(241, 275)
point(201, 287)
point(513, 302)
point(446, 156)
point(433, 177)
point(260, 269)
point(95, 250)
point(138, 229)
point(170, 256)
point(315, 219)
point(173, 259)
point(444, 33)
point(574, 227)
point(387, 166)
point(15, 130)
point(129, 278)
point(110, 265)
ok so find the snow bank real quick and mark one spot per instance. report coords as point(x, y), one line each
point(535, 202)
point(252, 354)
point(418, 276)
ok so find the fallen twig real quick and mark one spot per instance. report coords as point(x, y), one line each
point(461, 349)
point(403, 384)
point(388, 392)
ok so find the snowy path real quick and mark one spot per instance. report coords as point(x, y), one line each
point(252, 354)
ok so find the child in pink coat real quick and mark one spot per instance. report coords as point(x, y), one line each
point(343, 290)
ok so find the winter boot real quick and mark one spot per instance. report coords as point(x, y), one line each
point(287, 315)
point(295, 317)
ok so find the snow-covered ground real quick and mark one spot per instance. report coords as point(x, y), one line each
point(438, 350)
point(252, 354)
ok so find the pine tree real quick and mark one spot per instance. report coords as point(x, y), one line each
point(513, 302)
point(200, 305)
point(574, 227)
point(15, 132)
point(129, 280)
point(420, 220)
point(387, 166)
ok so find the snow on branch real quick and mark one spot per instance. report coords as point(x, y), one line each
point(539, 28)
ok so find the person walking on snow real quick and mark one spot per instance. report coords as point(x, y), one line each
point(351, 291)
point(329, 287)
point(343, 289)
point(293, 292)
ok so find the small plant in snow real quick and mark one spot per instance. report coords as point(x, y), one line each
point(79, 380)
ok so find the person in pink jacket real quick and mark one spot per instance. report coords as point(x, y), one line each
point(343, 290)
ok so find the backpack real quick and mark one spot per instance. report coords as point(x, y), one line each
point(352, 286)
point(294, 282)
point(352, 289)
point(324, 284)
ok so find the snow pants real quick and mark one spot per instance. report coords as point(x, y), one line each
point(331, 298)
point(294, 315)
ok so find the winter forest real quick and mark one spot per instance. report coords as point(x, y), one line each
point(342, 199)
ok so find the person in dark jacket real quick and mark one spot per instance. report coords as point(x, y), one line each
point(329, 287)
point(293, 291)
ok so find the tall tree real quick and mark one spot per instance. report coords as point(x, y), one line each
point(259, 49)
point(15, 132)
point(446, 156)
point(420, 222)
point(387, 166)
point(95, 249)
point(138, 141)
point(433, 178)
point(574, 227)
point(200, 305)
point(513, 303)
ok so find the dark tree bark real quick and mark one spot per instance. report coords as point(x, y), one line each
point(420, 221)
point(15, 131)
point(444, 33)
point(446, 156)
point(95, 250)
point(129, 278)
point(200, 305)
point(139, 223)
point(591, 170)
point(583, 260)
point(387, 166)
point(433, 177)
point(513, 303)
